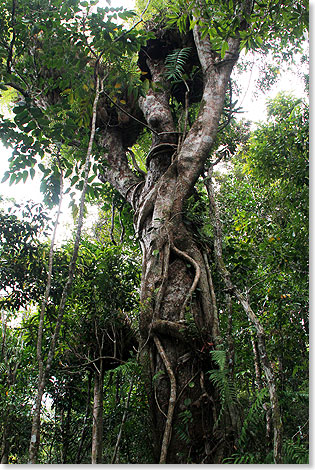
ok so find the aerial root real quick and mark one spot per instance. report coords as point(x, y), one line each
point(171, 403)
point(193, 287)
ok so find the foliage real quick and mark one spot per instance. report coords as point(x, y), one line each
point(22, 273)
point(63, 63)
point(50, 53)
point(265, 222)
point(220, 378)
point(223, 19)
point(175, 63)
point(16, 388)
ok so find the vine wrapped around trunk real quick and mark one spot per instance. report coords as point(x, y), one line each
point(179, 321)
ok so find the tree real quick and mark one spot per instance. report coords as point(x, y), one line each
point(100, 305)
point(259, 235)
point(21, 278)
point(53, 56)
point(96, 337)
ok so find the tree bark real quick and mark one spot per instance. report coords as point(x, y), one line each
point(179, 322)
point(97, 430)
point(85, 421)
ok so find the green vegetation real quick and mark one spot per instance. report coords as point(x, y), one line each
point(176, 329)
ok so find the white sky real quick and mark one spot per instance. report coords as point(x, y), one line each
point(254, 110)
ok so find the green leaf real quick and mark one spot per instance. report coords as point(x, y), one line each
point(224, 48)
point(12, 179)
point(5, 177)
point(25, 175)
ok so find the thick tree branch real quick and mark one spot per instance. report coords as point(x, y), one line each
point(116, 170)
point(197, 145)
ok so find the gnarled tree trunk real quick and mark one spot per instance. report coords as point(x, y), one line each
point(179, 324)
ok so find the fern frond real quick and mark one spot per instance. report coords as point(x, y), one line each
point(225, 386)
point(219, 357)
point(255, 415)
point(175, 63)
point(295, 452)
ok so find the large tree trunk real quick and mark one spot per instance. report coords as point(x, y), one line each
point(178, 324)
point(178, 332)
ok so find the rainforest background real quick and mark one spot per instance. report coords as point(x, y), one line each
point(169, 324)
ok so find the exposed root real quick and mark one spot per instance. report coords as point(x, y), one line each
point(195, 281)
point(171, 403)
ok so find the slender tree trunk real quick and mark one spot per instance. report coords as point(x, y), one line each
point(97, 430)
point(85, 421)
point(231, 352)
point(253, 319)
point(35, 435)
point(66, 431)
point(45, 370)
point(257, 364)
point(122, 423)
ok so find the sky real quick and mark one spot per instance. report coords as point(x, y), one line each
point(254, 110)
